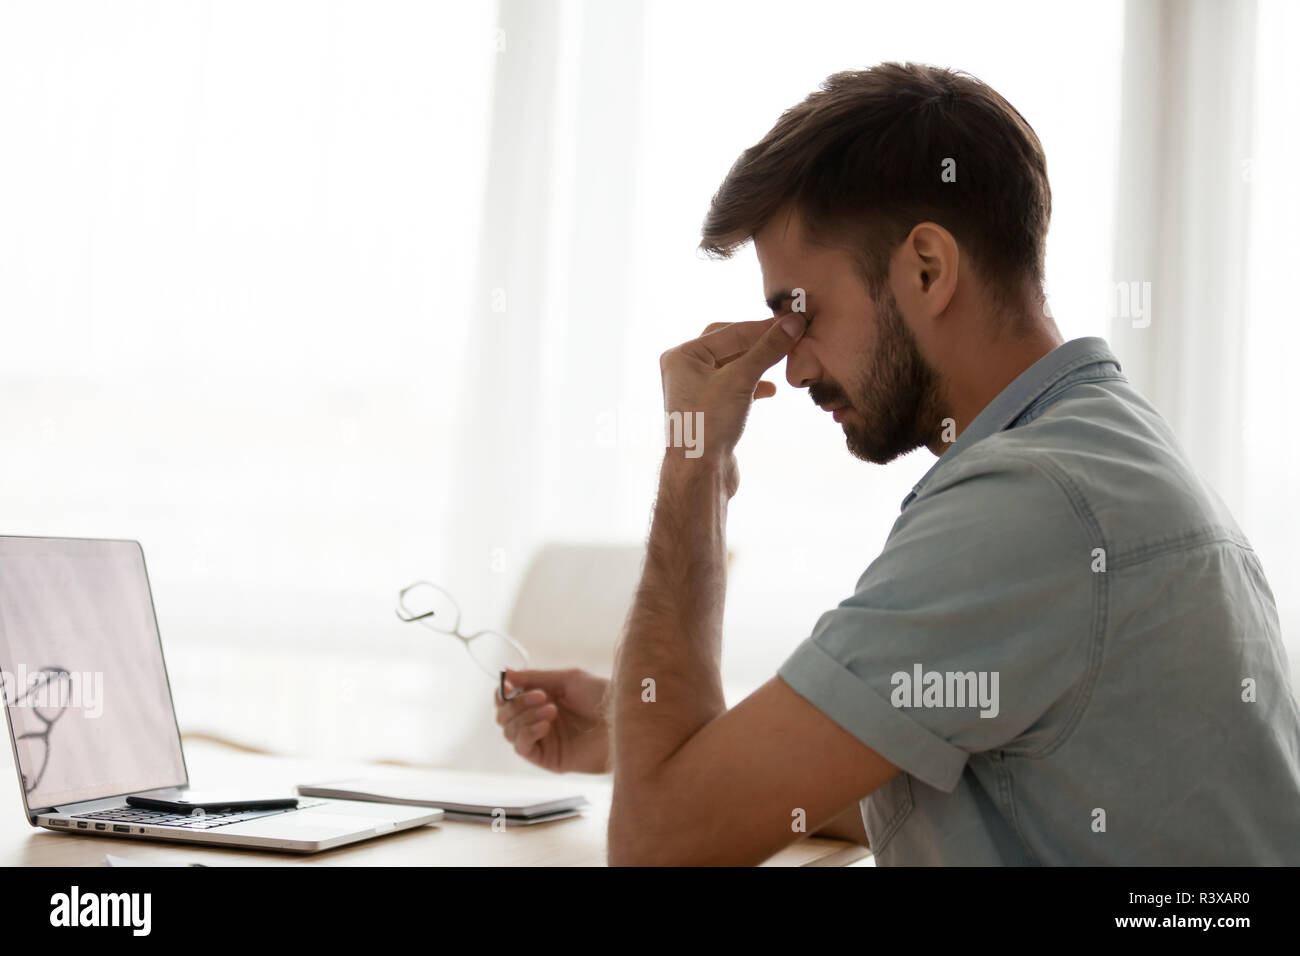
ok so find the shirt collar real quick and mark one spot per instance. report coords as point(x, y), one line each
point(1011, 402)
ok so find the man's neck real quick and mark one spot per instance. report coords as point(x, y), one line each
point(989, 371)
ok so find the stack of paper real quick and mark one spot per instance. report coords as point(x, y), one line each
point(514, 801)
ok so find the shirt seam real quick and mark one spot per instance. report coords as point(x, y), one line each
point(1006, 786)
point(1041, 403)
point(1100, 606)
point(1172, 544)
point(901, 813)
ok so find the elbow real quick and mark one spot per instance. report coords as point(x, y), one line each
point(649, 839)
point(632, 841)
point(642, 833)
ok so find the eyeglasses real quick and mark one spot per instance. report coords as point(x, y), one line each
point(47, 711)
point(492, 651)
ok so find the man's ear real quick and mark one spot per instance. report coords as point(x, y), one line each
point(927, 267)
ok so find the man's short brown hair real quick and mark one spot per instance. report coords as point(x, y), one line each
point(862, 160)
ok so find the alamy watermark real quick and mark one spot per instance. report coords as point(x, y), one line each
point(922, 688)
point(50, 688)
point(622, 428)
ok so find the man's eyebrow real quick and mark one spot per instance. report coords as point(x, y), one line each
point(774, 301)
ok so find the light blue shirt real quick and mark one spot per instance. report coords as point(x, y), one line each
point(1064, 554)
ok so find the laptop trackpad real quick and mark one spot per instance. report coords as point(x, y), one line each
point(331, 818)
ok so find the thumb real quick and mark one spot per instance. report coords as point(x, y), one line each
point(775, 344)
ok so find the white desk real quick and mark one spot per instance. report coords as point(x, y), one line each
point(572, 842)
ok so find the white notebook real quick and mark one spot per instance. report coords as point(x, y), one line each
point(523, 801)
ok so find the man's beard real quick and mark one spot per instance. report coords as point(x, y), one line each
point(897, 394)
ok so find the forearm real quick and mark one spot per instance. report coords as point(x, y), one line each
point(673, 635)
point(667, 683)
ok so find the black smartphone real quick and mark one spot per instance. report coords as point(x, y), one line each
point(211, 803)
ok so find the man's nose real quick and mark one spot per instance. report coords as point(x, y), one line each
point(800, 367)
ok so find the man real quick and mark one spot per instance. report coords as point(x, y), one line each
point(1067, 652)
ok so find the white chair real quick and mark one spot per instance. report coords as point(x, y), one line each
point(568, 612)
point(572, 604)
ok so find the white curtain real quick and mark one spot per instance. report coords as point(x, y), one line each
point(234, 244)
point(1270, 508)
point(1181, 221)
point(549, 309)
point(1205, 214)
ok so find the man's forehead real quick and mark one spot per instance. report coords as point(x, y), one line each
point(782, 235)
point(782, 255)
point(788, 261)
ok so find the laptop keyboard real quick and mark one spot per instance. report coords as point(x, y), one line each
point(187, 821)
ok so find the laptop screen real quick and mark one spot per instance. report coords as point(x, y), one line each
point(81, 662)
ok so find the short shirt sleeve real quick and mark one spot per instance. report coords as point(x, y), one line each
point(989, 572)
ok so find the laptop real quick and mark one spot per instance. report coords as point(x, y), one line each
point(91, 717)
